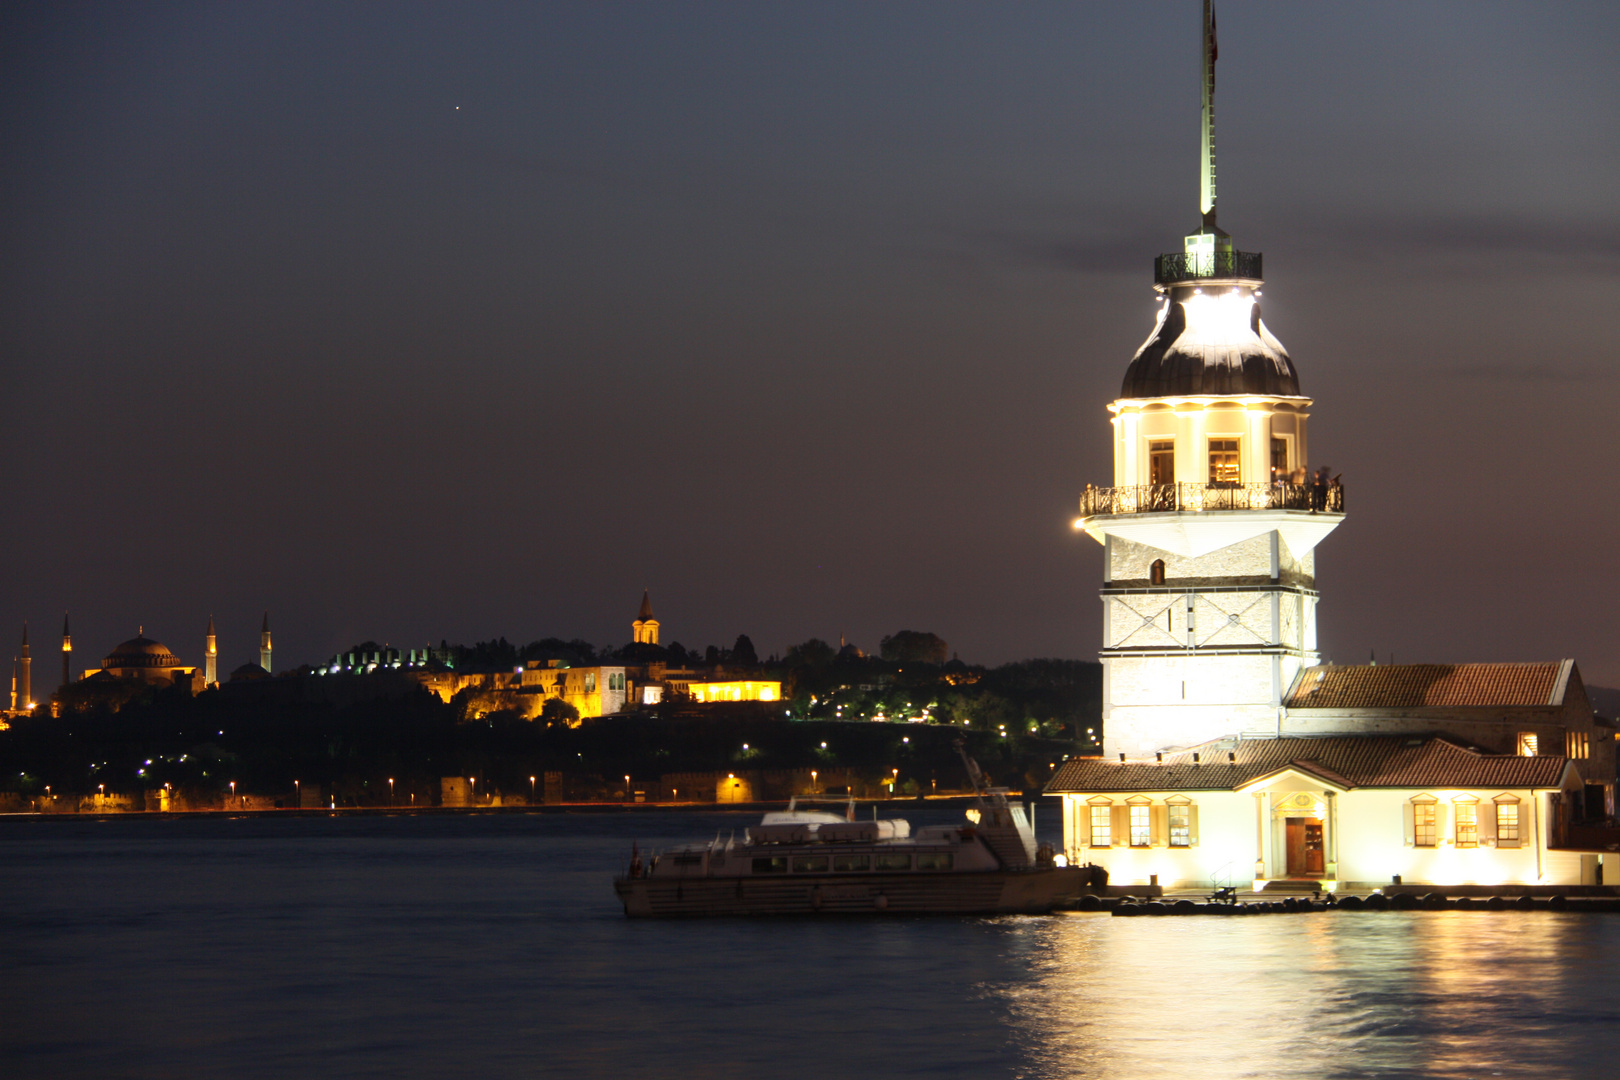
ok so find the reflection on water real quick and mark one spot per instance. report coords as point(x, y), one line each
point(493, 948)
point(1421, 994)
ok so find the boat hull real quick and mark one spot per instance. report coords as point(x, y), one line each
point(992, 892)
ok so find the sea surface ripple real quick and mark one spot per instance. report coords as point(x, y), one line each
point(493, 947)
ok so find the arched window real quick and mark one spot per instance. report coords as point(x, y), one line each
point(1156, 572)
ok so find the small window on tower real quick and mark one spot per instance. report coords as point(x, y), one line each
point(1156, 572)
point(1279, 459)
point(1162, 462)
point(1223, 462)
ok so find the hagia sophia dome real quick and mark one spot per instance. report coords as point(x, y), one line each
point(141, 652)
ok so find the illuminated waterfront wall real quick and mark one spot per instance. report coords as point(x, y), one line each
point(1462, 836)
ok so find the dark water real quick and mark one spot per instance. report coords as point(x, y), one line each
point(492, 947)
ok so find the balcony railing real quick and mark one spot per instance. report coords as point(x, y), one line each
point(1180, 266)
point(1202, 498)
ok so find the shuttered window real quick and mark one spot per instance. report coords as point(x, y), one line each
point(1101, 821)
point(1180, 826)
point(1423, 824)
point(1467, 824)
point(1507, 824)
point(1141, 826)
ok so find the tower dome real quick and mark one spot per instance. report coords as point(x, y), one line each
point(1209, 340)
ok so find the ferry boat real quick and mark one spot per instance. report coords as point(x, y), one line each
point(809, 862)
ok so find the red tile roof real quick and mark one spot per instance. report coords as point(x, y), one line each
point(1405, 686)
point(1348, 761)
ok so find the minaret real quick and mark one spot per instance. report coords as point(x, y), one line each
point(25, 689)
point(1210, 527)
point(67, 651)
point(211, 655)
point(264, 643)
point(644, 631)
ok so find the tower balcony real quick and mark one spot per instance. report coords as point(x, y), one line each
point(1182, 267)
point(1208, 498)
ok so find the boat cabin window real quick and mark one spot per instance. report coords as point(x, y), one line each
point(891, 861)
point(933, 860)
point(688, 859)
point(1161, 462)
point(809, 864)
point(852, 862)
point(773, 864)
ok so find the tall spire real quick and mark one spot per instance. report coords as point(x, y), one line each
point(67, 651)
point(1206, 176)
point(210, 655)
point(644, 630)
point(25, 686)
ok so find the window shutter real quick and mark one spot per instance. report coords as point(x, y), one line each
point(1192, 824)
point(1122, 826)
point(1409, 822)
point(1159, 817)
point(1441, 836)
point(1487, 824)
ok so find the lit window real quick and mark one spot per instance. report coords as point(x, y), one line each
point(1423, 817)
point(1507, 824)
point(1279, 459)
point(1102, 821)
point(1527, 744)
point(1223, 462)
point(1141, 826)
point(1180, 825)
point(1467, 824)
point(1575, 744)
point(1162, 462)
point(1156, 572)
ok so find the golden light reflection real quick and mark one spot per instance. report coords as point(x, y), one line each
point(1432, 994)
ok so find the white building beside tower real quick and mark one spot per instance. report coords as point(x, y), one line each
point(1231, 754)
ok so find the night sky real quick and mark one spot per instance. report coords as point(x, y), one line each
point(410, 322)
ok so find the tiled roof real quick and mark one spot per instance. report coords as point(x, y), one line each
point(1398, 686)
point(1347, 761)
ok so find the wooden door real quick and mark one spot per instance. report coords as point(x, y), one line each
point(1313, 847)
point(1296, 845)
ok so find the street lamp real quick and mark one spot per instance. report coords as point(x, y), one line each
point(894, 781)
point(233, 791)
point(298, 795)
point(627, 794)
point(390, 791)
point(532, 791)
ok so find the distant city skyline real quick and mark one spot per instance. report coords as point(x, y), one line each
point(413, 323)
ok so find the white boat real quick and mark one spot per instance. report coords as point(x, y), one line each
point(806, 862)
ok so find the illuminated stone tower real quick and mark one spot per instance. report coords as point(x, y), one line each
point(644, 631)
point(211, 653)
point(264, 643)
point(67, 651)
point(1210, 526)
point(25, 678)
